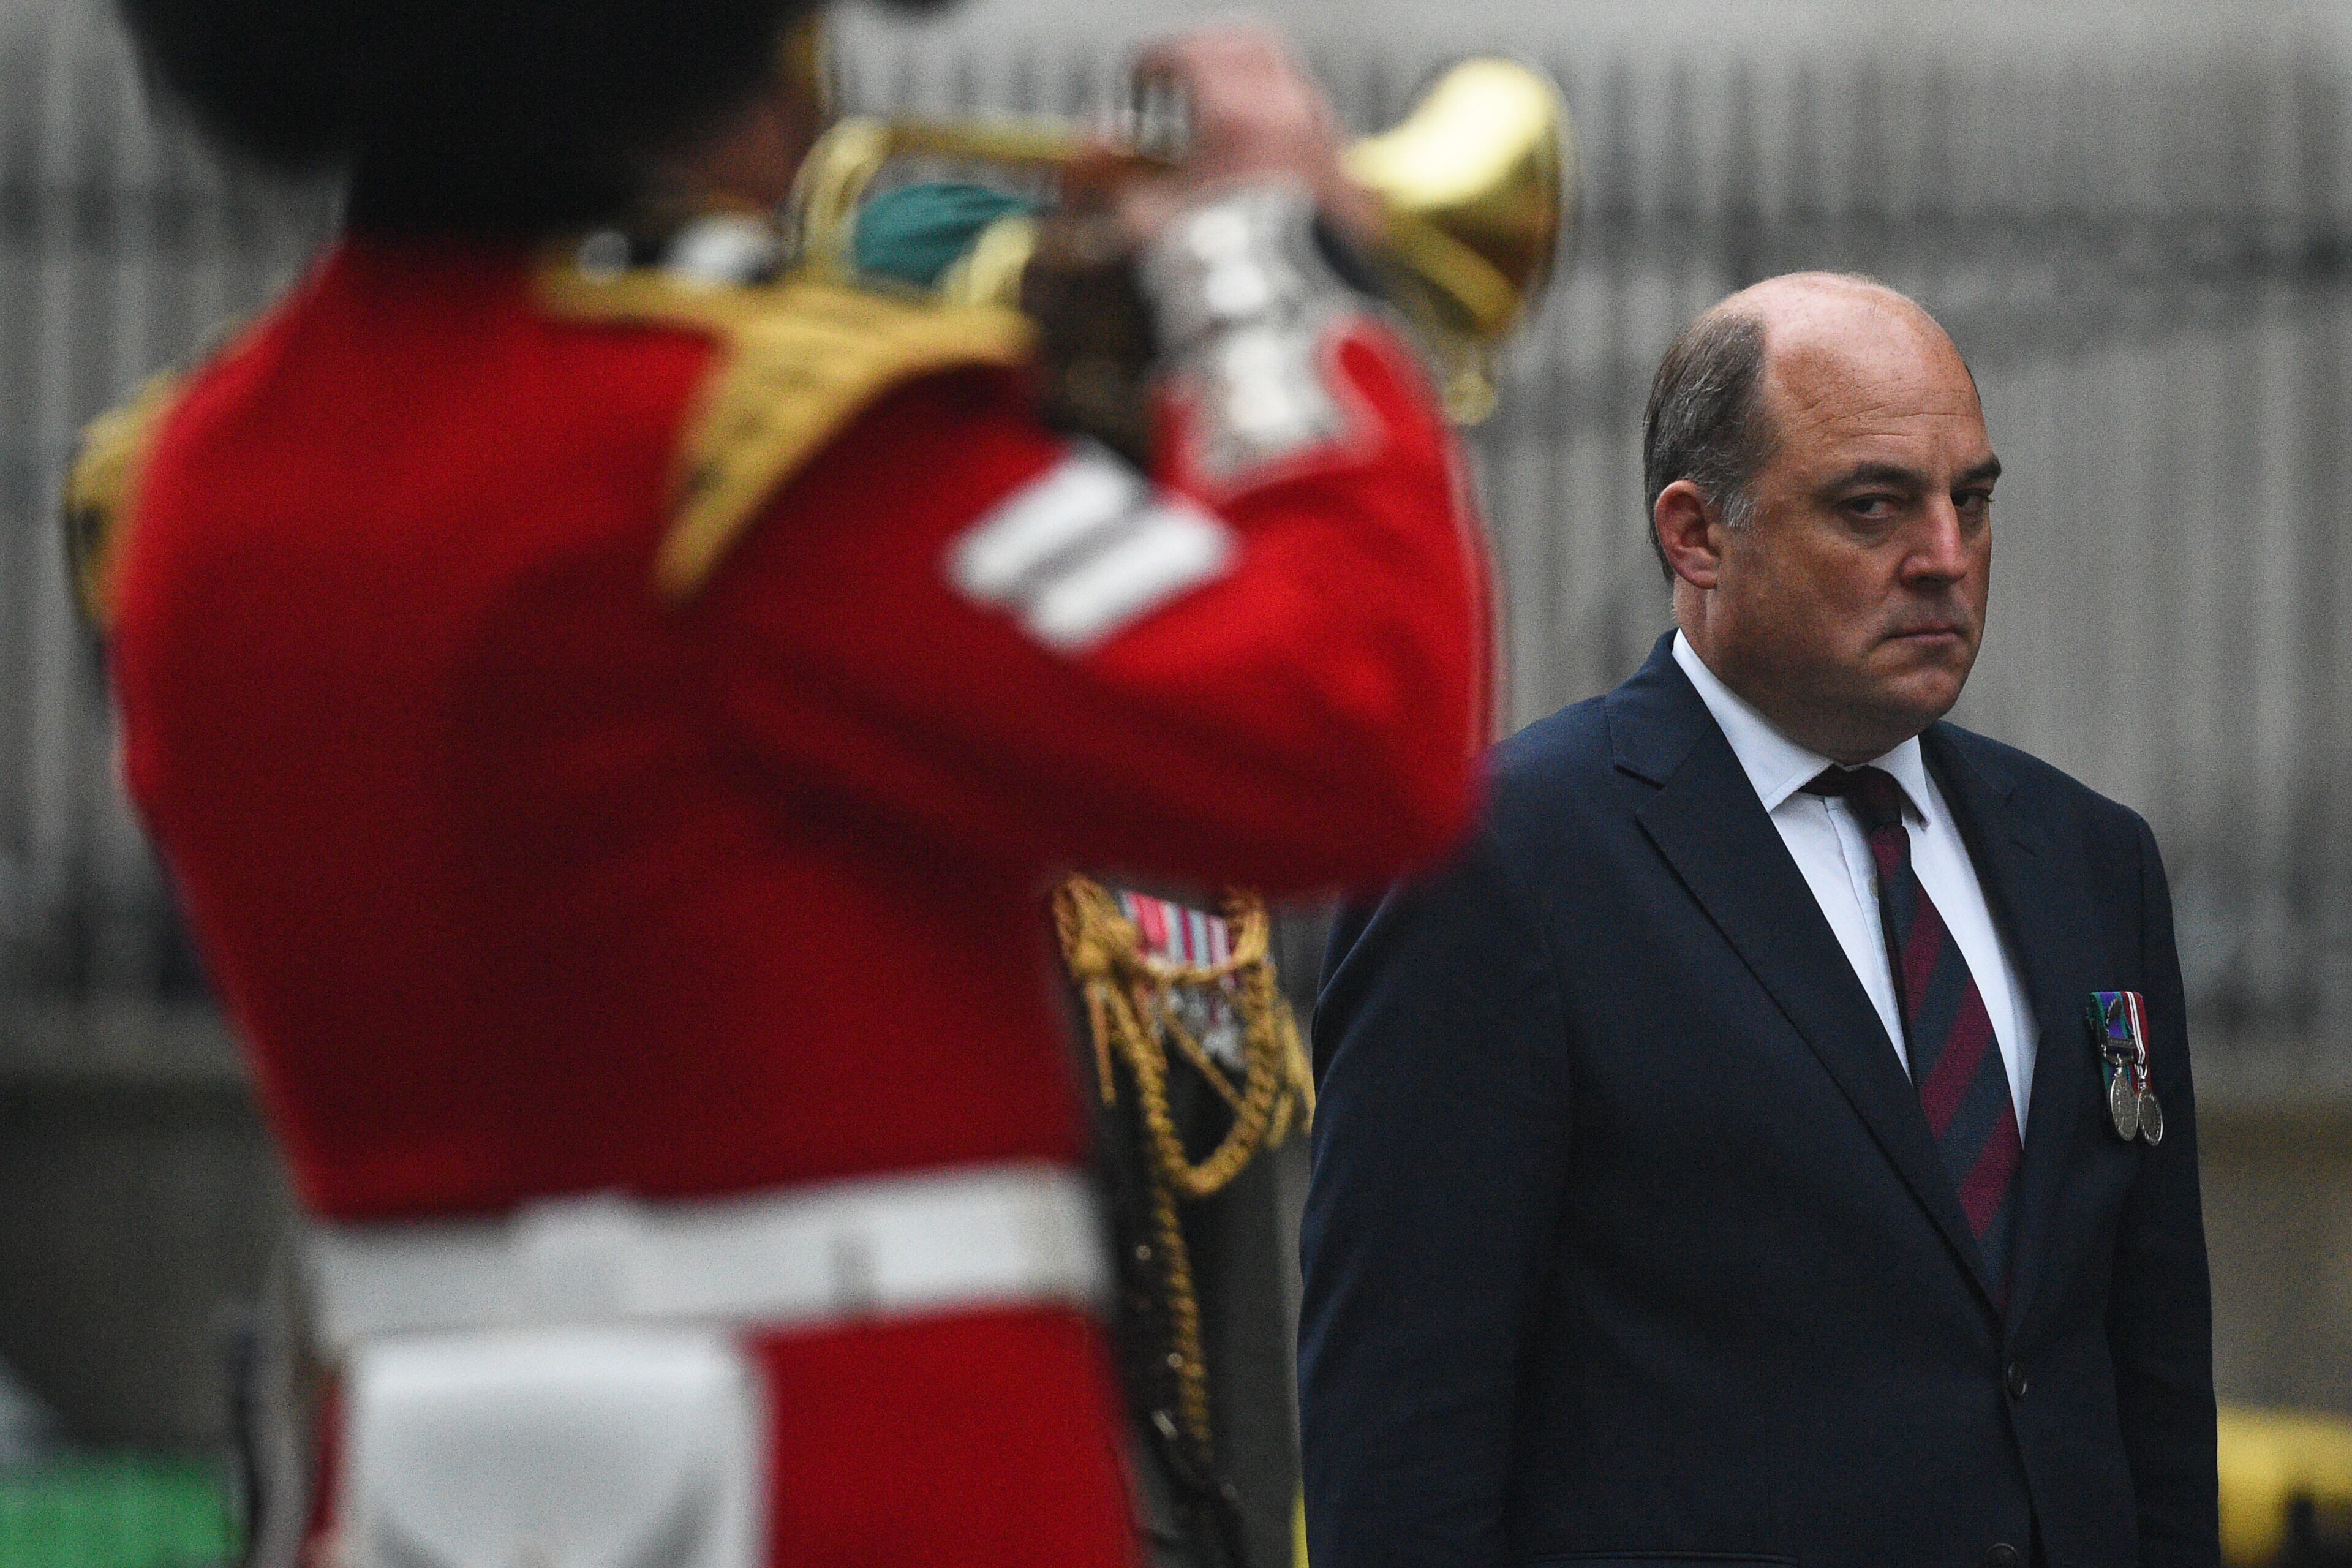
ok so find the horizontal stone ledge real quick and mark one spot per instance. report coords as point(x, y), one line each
point(123, 1043)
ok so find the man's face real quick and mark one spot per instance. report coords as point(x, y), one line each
point(1850, 610)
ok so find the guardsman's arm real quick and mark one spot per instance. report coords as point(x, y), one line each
point(1245, 666)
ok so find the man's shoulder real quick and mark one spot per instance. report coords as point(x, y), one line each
point(2047, 793)
point(1564, 754)
point(1559, 776)
point(1555, 794)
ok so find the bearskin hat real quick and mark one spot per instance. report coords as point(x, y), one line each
point(518, 115)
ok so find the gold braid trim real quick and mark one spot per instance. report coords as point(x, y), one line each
point(102, 489)
point(1129, 1016)
point(799, 362)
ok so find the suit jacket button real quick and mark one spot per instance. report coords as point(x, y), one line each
point(2001, 1556)
point(2015, 1378)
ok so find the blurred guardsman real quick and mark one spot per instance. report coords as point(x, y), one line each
point(1192, 1061)
point(610, 706)
point(1772, 1141)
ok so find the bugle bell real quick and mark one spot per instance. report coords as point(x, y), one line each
point(1475, 188)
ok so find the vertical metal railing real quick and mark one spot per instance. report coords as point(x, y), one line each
point(121, 250)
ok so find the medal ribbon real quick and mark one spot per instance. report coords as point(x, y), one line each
point(2119, 1029)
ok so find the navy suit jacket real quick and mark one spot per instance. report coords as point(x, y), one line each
point(1627, 1241)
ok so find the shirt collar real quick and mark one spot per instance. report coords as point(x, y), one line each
point(1775, 765)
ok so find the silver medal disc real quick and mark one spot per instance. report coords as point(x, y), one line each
point(2151, 1118)
point(2123, 1106)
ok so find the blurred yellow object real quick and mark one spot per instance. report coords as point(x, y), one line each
point(100, 485)
point(2272, 1462)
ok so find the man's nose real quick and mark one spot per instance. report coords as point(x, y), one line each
point(1941, 548)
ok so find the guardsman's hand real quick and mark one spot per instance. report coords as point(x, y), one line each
point(1253, 114)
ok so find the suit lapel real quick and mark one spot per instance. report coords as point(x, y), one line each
point(1709, 823)
point(2046, 918)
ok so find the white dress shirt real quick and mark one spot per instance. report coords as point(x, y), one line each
point(1827, 842)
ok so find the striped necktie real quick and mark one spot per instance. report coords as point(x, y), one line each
point(1956, 1063)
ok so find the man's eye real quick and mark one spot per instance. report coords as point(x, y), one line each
point(1974, 503)
point(1871, 509)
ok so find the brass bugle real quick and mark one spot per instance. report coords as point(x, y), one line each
point(1476, 189)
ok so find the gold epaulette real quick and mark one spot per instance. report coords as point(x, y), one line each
point(102, 486)
point(799, 361)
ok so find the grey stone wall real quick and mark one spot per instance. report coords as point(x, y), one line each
point(139, 1200)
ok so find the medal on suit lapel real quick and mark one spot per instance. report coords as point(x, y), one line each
point(2123, 1102)
point(2151, 1114)
point(2118, 1021)
point(2111, 1037)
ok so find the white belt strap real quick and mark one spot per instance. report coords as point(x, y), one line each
point(965, 1237)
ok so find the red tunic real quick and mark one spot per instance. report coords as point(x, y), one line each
point(519, 880)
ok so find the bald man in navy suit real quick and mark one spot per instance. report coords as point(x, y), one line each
point(1718, 1163)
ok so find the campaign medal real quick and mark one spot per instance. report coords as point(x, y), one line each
point(2118, 1021)
point(2110, 1021)
point(2151, 1114)
point(2123, 1102)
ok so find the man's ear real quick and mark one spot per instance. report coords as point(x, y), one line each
point(1689, 533)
